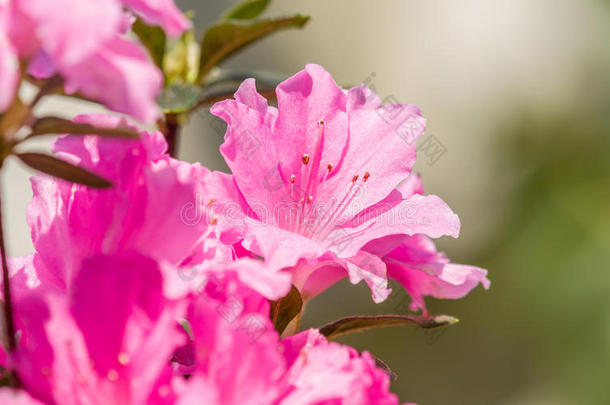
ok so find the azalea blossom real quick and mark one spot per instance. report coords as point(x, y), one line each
point(144, 211)
point(235, 357)
point(82, 41)
point(108, 341)
point(323, 182)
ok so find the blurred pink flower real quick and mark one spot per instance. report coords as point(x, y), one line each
point(160, 12)
point(315, 179)
point(82, 41)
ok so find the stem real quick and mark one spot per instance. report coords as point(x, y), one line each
point(8, 305)
point(46, 87)
point(172, 130)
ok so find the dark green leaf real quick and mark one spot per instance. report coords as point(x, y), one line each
point(56, 125)
point(352, 324)
point(153, 38)
point(63, 170)
point(247, 10)
point(178, 97)
point(286, 309)
point(223, 39)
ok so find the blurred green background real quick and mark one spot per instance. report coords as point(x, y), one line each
point(518, 92)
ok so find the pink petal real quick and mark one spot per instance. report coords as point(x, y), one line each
point(9, 66)
point(11, 396)
point(120, 75)
point(160, 12)
point(422, 271)
point(314, 362)
point(71, 30)
point(152, 196)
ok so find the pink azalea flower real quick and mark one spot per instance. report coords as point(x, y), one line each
point(236, 354)
point(236, 357)
point(326, 372)
point(315, 179)
point(149, 209)
point(109, 341)
point(82, 41)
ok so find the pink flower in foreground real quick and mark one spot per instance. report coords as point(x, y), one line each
point(107, 342)
point(315, 179)
point(82, 41)
point(148, 209)
point(111, 338)
point(235, 357)
point(325, 372)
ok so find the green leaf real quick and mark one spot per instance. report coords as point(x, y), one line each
point(56, 125)
point(63, 170)
point(223, 39)
point(153, 38)
point(178, 97)
point(352, 324)
point(246, 10)
point(286, 309)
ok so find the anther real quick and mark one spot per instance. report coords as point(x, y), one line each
point(113, 375)
point(123, 358)
point(366, 176)
point(305, 158)
point(329, 167)
point(292, 177)
point(309, 199)
point(354, 178)
point(214, 220)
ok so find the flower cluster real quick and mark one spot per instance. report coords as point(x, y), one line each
point(165, 287)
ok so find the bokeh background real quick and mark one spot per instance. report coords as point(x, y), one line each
point(517, 92)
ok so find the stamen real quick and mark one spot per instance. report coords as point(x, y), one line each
point(305, 158)
point(112, 375)
point(354, 178)
point(123, 358)
point(366, 176)
point(330, 167)
point(309, 199)
point(292, 177)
